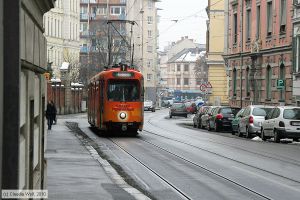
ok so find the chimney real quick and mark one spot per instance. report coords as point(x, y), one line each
point(182, 38)
point(186, 37)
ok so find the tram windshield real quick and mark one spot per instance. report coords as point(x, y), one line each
point(123, 90)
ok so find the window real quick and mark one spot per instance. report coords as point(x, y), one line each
point(269, 18)
point(186, 67)
point(121, 90)
point(234, 81)
point(178, 68)
point(248, 25)
point(258, 22)
point(269, 82)
point(297, 54)
point(149, 49)
point(115, 10)
point(150, 19)
point(102, 11)
point(186, 81)
point(83, 26)
point(283, 16)
point(149, 63)
point(235, 31)
point(149, 34)
point(150, 4)
point(178, 81)
point(123, 1)
point(83, 9)
point(247, 82)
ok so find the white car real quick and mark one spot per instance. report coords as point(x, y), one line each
point(282, 122)
point(148, 105)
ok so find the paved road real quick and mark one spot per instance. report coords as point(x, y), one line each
point(170, 161)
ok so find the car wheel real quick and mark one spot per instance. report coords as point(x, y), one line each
point(239, 133)
point(199, 124)
point(248, 134)
point(263, 137)
point(194, 125)
point(170, 116)
point(276, 136)
point(208, 126)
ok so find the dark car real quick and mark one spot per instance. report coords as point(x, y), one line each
point(221, 118)
point(197, 118)
point(178, 109)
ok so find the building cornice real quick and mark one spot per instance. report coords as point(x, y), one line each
point(265, 51)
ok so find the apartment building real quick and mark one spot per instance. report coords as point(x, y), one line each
point(94, 31)
point(61, 26)
point(259, 53)
point(215, 48)
point(296, 52)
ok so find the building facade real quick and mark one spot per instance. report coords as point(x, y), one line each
point(62, 32)
point(22, 105)
point(260, 52)
point(94, 46)
point(177, 67)
point(296, 50)
point(215, 49)
point(61, 26)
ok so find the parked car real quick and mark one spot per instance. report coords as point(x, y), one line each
point(282, 122)
point(178, 109)
point(191, 107)
point(235, 122)
point(251, 120)
point(221, 118)
point(205, 116)
point(198, 115)
point(148, 105)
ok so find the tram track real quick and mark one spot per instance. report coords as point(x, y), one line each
point(276, 157)
point(248, 189)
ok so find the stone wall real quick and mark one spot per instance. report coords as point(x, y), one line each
point(24, 135)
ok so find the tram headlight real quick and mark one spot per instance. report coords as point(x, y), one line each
point(122, 115)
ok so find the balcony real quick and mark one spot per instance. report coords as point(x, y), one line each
point(88, 1)
point(84, 16)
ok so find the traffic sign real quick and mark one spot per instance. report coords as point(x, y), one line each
point(280, 84)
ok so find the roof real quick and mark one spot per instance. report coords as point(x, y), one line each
point(64, 66)
point(186, 55)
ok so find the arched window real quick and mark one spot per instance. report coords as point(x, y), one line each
point(269, 82)
point(234, 81)
point(282, 77)
point(247, 82)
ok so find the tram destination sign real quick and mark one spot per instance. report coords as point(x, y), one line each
point(123, 74)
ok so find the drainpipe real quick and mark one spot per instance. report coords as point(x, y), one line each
point(241, 51)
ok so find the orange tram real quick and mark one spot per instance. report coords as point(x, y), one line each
point(115, 100)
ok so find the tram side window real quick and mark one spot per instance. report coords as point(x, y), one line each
point(121, 90)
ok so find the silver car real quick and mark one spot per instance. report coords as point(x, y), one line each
point(251, 120)
point(282, 122)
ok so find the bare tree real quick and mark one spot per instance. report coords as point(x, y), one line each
point(74, 65)
point(201, 67)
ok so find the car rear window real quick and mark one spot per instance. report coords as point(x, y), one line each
point(226, 111)
point(291, 113)
point(261, 111)
point(178, 105)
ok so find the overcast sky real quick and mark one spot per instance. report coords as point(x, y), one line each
point(191, 16)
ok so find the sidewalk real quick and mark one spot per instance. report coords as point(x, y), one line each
point(72, 173)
